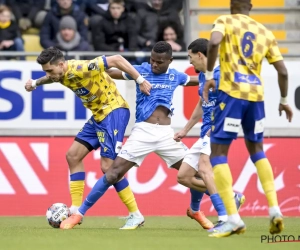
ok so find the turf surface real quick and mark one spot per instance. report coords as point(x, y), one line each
point(159, 233)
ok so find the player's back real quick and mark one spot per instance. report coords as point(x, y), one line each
point(89, 81)
point(245, 44)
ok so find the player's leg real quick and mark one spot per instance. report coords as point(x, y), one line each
point(85, 142)
point(253, 127)
point(123, 189)
point(112, 130)
point(112, 176)
point(172, 153)
point(132, 154)
point(205, 171)
point(186, 177)
point(226, 119)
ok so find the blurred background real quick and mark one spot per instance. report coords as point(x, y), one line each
point(37, 128)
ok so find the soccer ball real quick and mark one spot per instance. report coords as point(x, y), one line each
point(57, 213)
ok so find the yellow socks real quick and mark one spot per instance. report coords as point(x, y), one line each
point(265, 174)
point(223, 180)
point(77, 188)
point(126, 195)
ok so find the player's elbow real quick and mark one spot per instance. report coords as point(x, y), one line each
point(114, 61)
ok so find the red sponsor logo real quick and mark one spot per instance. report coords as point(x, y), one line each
point(34, 175)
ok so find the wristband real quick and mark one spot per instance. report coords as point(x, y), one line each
point(209, 75)
point(283, 101)
point(33, 84)
point(140, 79)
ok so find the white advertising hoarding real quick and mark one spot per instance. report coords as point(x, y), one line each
point(56, 107)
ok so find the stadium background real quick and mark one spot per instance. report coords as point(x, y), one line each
point(37, 128)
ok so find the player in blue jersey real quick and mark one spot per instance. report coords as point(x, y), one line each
point(152, 131)
point(197, 160)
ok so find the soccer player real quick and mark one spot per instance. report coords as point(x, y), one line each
point(240, 102)
point(197, 160)
point(106, 128)
point(152, 131)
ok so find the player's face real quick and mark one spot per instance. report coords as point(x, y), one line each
point(196, 59)
point(54, 71)
point(160, 62)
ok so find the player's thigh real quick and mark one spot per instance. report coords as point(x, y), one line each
point(186, 173)
point(253, 122)
point(110, 132)
point(141, 142)
point(169, 150)
point(193, 154)
point(85, 141)
point(226, 119)
point(204, 166)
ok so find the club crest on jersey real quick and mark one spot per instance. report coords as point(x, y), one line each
point(171, 77)
point(81, 92)
point(93, 66)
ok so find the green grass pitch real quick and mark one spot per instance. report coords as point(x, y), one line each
point(159, 233)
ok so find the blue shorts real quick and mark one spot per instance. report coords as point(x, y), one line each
point(231, 113)
point(107, 134)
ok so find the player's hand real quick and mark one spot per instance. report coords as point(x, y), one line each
point(288, 111)
point(179, 135)
point(28, 86)
point(210, 84)
point(145, 87)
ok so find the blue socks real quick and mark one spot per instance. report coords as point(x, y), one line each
point(196, 198)
point(218, 204)
point(98, 190)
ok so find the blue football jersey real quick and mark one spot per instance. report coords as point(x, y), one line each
point(212, 98)
point(161, 94)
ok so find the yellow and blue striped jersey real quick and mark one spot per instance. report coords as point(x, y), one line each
point(244, 46)
point(97, 91)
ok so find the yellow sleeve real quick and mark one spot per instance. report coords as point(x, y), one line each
point(89, 68)
point(219, 25)
point(273, 54)
point(98, 64)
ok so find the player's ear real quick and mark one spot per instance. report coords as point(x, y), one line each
point(200, 54)
point(250, 6)
point(171, 59)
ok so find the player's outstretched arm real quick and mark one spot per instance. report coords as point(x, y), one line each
point(122, 64)
point(31, 85)
point(283, 86)
point(194, 81)
point(196, 115)
point(115, 74)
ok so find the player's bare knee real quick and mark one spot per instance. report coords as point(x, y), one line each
point(205, 168)
point(72, 158)
point(182, 179)
point(105, 164)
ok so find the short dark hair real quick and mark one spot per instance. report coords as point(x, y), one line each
point(121, 2)
point(52, 55)
point(163, 47)
point(199, 45)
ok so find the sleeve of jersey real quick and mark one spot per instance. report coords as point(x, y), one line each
point(219, 25)
point(183, 79)
point(274, 54)
point(127, 76)
point(99, 64)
